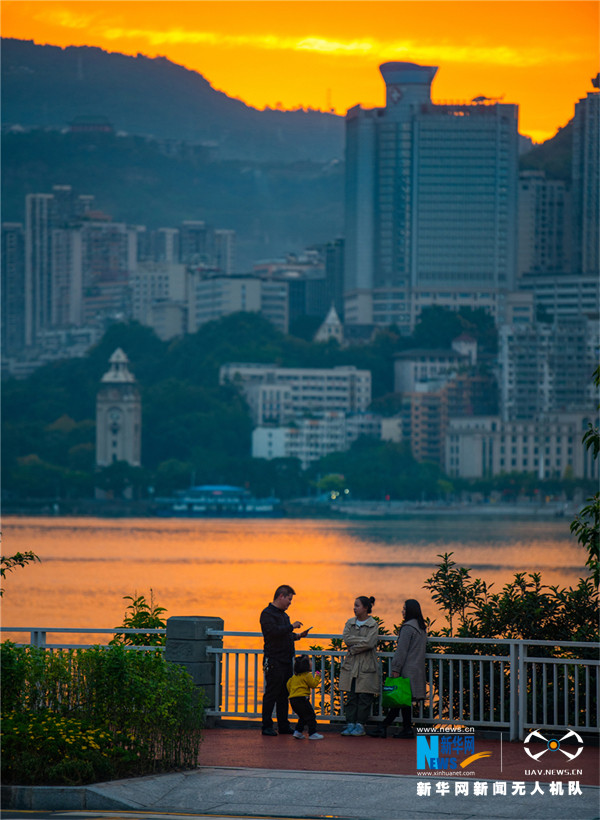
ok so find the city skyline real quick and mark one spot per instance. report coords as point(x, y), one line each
point(313, 55)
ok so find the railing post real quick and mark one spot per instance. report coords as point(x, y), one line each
point(522, 711)
point(187, 642)
point(514, 691)
point(38, 638)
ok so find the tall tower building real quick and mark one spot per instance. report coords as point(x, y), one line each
point(12, 257)
point(431, 197)
point(118, 415)
point(586, 183)
point(52, 260)
point(543, 225)
point(39, 222)
point(194, 242)
point(224, 250)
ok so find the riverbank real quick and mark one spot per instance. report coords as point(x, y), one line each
point(308, 508)
point(302, 508)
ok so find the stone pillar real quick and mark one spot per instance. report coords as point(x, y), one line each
point(187, 642)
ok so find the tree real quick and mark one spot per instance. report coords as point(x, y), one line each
point(140, 614)
point(119, 477)
point(524, 609)
point(19, 559)
point(586, 524)
point(453, 591)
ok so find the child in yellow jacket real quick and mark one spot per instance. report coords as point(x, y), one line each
point(299, 687)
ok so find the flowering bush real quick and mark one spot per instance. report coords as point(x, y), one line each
point(46, 748)
point(84, 715)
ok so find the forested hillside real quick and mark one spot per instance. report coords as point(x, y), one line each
point(190, 425)
point(273, 207)
point(46, 85)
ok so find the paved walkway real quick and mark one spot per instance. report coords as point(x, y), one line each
point(244, 774)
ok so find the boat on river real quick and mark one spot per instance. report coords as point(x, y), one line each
point(217, 500)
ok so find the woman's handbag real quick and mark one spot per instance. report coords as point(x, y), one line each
point(396, 693)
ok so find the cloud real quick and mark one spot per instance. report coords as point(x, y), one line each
point(365, 47)
point(66, 19)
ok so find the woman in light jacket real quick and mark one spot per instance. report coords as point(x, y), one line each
point(409, 662)
point(360, 675)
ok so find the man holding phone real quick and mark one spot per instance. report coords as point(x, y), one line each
point(278, 663)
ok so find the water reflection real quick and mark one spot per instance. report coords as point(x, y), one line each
point(229, 568)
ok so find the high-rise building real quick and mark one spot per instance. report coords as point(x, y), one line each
point(53, 264)
point(13, 287)
point(431, 198)
point(67, 278)
point(224, 240)
point(195, 242)
point(39, 222)
point(544, 228)
point(586, 183)
point(547, 368)
point(109, 256)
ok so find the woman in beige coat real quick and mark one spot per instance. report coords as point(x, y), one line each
point(360, 675)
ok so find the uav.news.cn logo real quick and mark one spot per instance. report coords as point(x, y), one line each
point(552, 744)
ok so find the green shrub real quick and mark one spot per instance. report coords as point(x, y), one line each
point(93, 714)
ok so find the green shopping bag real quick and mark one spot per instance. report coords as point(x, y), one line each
point(396, 693)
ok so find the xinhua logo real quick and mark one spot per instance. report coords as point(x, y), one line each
point(446, 752)
point(553, 744)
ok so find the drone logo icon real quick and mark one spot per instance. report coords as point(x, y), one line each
point(553, 744)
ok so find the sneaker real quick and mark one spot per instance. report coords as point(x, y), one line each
point(299, 735)
point(349, 729)
point(315, 736)
point(358, 731)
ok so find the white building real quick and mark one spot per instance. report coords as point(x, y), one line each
point(309, 439)
point(562, 296)
point(308, 390)
point(159, 289)
point(546, 368)
point(418, 368)
point(211, 297)
point(548, 445)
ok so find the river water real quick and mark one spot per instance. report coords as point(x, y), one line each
point(230, 567)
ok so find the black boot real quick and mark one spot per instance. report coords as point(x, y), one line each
point(378, 731)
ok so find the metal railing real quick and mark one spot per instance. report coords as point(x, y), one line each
point(509, 685)
point(492, 684)
point(38, 636)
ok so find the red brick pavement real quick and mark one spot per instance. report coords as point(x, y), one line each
point(247, 747)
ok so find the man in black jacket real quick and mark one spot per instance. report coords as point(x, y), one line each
point(278, 661)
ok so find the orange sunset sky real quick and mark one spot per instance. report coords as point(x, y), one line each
point(540, 54)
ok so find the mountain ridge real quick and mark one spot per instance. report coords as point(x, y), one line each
point(48, 86)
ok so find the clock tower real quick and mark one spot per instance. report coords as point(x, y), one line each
point(118, 415)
